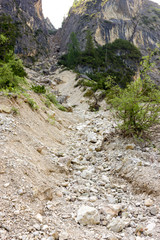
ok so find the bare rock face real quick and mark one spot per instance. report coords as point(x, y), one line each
point(49, 25)
point(135, 20)
point(33, 34)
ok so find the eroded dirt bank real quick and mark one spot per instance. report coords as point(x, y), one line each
point(50, 170)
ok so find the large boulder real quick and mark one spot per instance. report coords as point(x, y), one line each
point(88, 216)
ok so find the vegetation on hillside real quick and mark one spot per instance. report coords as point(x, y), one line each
point(118, 60)
point(12, 72)
point(112, 68)
point(138, 106)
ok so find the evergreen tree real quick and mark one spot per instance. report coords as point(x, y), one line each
point(12, 72)
point(89, 49)
point(73, 51)
point(8, 32)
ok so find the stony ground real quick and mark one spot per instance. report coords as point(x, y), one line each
point(76, 179)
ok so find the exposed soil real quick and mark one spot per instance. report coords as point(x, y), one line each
point(53, 162)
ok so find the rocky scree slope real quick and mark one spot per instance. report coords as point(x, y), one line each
point(32, 39)
point(75, 179)
point(135, 20)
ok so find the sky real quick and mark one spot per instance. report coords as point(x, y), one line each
point(56, 10)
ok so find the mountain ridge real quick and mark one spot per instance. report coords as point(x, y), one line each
point(136, 21)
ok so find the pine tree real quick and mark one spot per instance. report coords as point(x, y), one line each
point(89, 49)
point(73, 51)
point(8, 32)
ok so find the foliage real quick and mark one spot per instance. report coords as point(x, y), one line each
point(89, 49)
point(8, 33)
point(15, 111)
point(77, 3)
point(33, 105)
point(12, 72)
point(138, 106)
point(118, 60)
point(73, 51)
point(52, 99)
point(39, 89)
point(51, 119)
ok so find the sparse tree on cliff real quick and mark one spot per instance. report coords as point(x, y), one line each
point(89, 49)
point(73, 50)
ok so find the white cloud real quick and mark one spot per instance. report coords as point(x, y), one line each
point(57, 9)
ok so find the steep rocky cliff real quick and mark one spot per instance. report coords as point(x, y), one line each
point(135, 20)
point(33, 34)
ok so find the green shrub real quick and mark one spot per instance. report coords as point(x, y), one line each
point(33, 105)
point(62, 108)
point(52, 98)
point(137, 111)
point(47, 103)
point(9, 75)
point(39, 89)
point(15, 111)
point(17, 67)
point(12, 72)
point(138, 106)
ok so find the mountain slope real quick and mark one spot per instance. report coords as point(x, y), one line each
point(135, 20)
point(48, 171)
point(33, 34)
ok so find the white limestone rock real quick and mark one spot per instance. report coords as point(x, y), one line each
point(118, 224)
point(88, 216)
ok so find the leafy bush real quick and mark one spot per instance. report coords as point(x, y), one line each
point(15, 111)
point(12, 72)
point(17, 66)
point(138, 106)
point(137, 111)
point(39, 89)
point(52, 99)
point(33, 105)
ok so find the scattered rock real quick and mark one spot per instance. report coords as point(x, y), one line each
point(150, 227)
point(92, 137)
point(140, 238)
point(39, 217)
point(148, 202)
point(6, 185)
point(55, 235)
point(118, 224)
point(59, 194)
point(154, 211)
point(88, 216)
point(130, 146)
point(37, 227)
point(5, 109)
point(21, 191)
